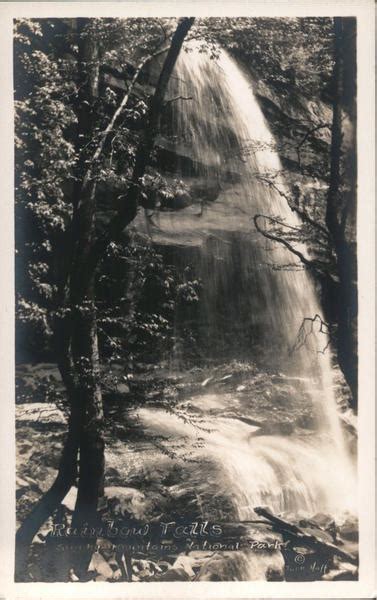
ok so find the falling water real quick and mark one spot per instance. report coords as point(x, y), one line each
point(224, 142)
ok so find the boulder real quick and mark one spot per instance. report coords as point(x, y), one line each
point(127, 500)
point(349, 530)
point(343, 571)
point(219, 568)
point(186, 562)
point(144, 570)
point(100, 566)
point(175, 574)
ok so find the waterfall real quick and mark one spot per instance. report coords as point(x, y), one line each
point(255, 291)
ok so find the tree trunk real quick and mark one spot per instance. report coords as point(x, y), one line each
point(90, 418)
point(341, 200)
point(89, 395)
point(84, 339)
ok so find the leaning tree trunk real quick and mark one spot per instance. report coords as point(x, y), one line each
point(66, 477)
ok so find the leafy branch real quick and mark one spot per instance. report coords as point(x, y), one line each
point(119, 110)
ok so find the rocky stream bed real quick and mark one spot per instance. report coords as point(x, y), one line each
point(164, 431)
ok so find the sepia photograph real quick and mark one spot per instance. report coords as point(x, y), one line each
point(186, 299)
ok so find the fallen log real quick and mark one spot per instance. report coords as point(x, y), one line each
point(303, 539)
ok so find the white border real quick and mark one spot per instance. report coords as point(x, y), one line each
point(365, 587)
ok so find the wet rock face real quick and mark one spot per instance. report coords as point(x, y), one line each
point(291, 125)
point(219, 568)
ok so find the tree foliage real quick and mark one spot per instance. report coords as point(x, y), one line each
point(50, 159)
point(67, 155)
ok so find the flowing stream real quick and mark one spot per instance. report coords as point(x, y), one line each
point(220, 132)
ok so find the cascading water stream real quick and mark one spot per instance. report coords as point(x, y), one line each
point(222, 133)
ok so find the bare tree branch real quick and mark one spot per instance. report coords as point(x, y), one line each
point(178, 98)
point(306, 136)
point(303, 334)
point(302, 213)
point(274, 238)
point(164, 32)
point(313, 265)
